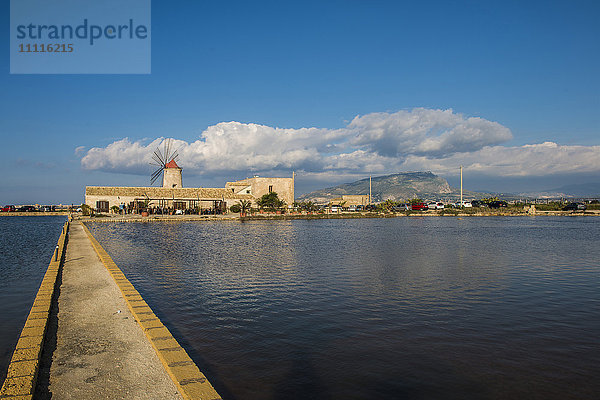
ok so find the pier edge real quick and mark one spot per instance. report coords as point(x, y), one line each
point(191, 383)
point(22, 375)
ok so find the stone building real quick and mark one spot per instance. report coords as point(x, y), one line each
point(172, 195)
point(257, 186)
point(172, 175)
point(350, 200)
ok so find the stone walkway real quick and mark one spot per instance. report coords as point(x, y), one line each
point(96, 349)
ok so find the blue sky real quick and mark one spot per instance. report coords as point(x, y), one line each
point(528, 67)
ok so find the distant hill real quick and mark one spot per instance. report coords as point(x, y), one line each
point(575, 190)
point(581, 190)
point(398, 187)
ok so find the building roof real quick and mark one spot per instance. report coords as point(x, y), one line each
point(172, 164)
point(167, 193)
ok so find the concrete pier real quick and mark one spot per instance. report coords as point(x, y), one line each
point(101, 352)
point(98, 339)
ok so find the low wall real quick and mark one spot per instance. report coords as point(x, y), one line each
point(24, 366)
point(189, 380)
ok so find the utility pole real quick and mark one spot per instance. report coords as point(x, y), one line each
point(293, 187)
point(461, 190)
point(369, 189)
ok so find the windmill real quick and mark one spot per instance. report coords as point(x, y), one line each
point(165, 161)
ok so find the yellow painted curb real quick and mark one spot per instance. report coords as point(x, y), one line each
point(25, 362)
point(190, 381)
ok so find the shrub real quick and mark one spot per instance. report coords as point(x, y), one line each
point(86, 210)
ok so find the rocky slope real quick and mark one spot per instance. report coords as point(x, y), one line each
point(398, 187)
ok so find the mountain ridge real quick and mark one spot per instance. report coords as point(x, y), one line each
point(397, 187)
point(591, 189)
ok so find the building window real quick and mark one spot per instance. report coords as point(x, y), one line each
point(247, 191)
point(179, 205)
point(102, 206)
point(270, 188)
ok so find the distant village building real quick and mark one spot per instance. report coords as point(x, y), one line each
point(350, 200)
point(173, 196)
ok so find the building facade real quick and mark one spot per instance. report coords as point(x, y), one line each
point(350, 200)
point(173, 196)
point(257, 187)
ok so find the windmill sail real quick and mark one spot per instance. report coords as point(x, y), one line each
point(161, 159)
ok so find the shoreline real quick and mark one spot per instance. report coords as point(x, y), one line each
point(34, 214)
point(353, 215)
point(294, 216)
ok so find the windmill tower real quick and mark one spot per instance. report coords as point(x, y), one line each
point(167, 166)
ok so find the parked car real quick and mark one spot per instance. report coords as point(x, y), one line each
point(575, 207)
point(401, 207)
point(9, 208)
point(26, 209)
point(498, 204)
point(478, 203)
point(359, 208)
point(370, 207)
point(435, 206)
point(419, 207)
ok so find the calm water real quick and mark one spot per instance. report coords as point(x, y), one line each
point(26, 246)
point(415, 308)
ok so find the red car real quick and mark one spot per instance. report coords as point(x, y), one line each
point(419, 207)
point(8, 209)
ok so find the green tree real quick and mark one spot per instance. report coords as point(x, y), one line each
point(235, 208)
point(86, 210)
point(416, 200)
point(115, 209)
point(388, 204)
point(488, 200)
point(308, 206)
point(270, 201)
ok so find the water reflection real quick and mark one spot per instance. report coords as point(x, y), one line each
point(26, 245)
point(382, 308)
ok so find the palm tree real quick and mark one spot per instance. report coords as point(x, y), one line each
point(244, 207)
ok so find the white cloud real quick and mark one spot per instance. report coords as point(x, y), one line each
point(121, 156)
point(433, 133)
point(540, 159)
point(421, 139)
point(79, 151)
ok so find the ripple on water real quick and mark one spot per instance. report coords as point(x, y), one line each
point(382, 308)
point(26, 245)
